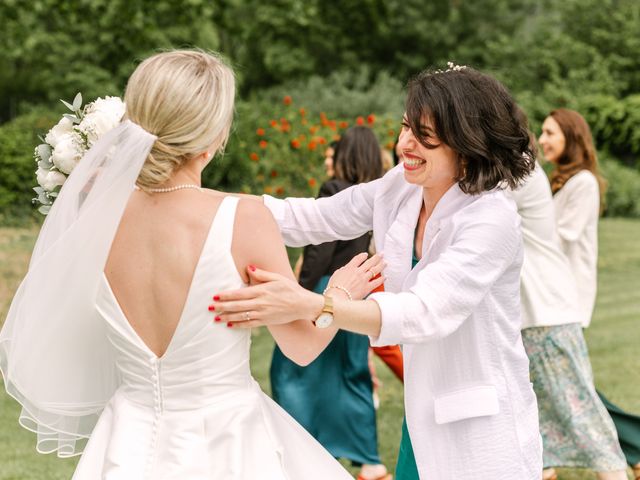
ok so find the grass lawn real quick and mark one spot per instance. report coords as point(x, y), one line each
point(613, 338)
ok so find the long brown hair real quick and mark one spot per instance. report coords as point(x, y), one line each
point(357, 156)
point(579, 151)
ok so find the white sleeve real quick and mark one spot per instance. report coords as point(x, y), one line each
point(448, 290)
point(343, 216)
point(581, 201)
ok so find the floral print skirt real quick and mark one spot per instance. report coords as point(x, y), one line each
point(576, 429)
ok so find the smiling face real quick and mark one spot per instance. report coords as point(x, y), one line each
point(431, 168)
point(552, 140)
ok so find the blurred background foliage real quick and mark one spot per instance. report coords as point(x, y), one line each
point(335, 60)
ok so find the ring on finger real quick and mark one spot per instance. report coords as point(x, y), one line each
point(247, 317)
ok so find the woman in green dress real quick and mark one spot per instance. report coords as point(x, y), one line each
point(332, 397)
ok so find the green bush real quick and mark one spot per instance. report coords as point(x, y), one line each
point(294, 135)
point(615, 124)
point(18, 139)
point(623, 192)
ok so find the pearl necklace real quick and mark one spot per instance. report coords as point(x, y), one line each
point(172, 189)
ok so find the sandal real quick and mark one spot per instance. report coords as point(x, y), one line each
point(550, 474)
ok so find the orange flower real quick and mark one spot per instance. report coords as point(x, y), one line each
point(287, 100)
point(295, 143)
point(343, 125)
point(324, 121)
point(392, 133)
point(274, 173)
point(312, 145)
point(260, 132)
point(263, 144)
point(268, 190)
point(371, 119)
point(313, 130)
point(254, 156)
point(303, 121)
point(336, 138)
point(312, 182)
point(279, 191)
point(303, 112)
point(332, 125)
point(273, 123)
point(322, 140)
point(360, 121)
point(390, 145)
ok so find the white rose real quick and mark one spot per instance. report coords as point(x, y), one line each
point(63, 127)
point(102, 115)
point(67, 153)
point(49, 179)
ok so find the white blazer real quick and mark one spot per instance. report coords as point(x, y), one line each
point(471, 411)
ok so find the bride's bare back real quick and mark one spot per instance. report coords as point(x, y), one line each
point(154, 256)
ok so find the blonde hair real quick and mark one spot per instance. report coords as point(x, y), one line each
point(185, 98)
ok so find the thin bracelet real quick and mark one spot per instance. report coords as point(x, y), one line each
point(339, 288)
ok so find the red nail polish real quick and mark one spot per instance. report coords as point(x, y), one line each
point(229, 325)
point(216, 297)
point(217, 319)
point(252, 268)
point(211, 308)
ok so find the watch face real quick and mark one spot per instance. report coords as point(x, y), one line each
point(324, 320)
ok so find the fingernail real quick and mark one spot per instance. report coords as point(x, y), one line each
point(216, 297)
point(252, 268)
point(229, 325)
point(211, 308)
point(217, 319)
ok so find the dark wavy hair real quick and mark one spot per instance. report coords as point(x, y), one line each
point(477, 118)
point(357, 156)
point(579, 151)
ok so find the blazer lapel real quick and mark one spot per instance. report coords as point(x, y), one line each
point(398, 241)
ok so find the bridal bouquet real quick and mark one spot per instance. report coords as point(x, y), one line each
point(66, 143)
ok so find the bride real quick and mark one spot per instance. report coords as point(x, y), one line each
point(106, 344)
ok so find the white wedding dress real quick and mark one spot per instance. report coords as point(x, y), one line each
point(196, 412)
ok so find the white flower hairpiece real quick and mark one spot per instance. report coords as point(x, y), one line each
point(452, 67)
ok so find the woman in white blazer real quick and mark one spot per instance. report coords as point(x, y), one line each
point(471, 411)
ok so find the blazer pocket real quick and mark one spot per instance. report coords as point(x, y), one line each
point(468, 403)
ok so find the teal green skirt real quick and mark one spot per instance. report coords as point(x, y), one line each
point(406, 468)
point(628, 428)
point(332, 398)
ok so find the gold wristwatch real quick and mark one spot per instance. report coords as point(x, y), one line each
point(325, 319)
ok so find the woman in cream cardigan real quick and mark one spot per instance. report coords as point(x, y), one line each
point(470, 409)
point(578, 191)
point(576, 429)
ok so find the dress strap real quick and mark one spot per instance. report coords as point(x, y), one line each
point(222, 227)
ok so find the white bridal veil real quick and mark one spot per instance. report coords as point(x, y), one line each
point(54, 355)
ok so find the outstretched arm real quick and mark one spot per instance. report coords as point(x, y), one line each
point(257, 243)
point(308, 221)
